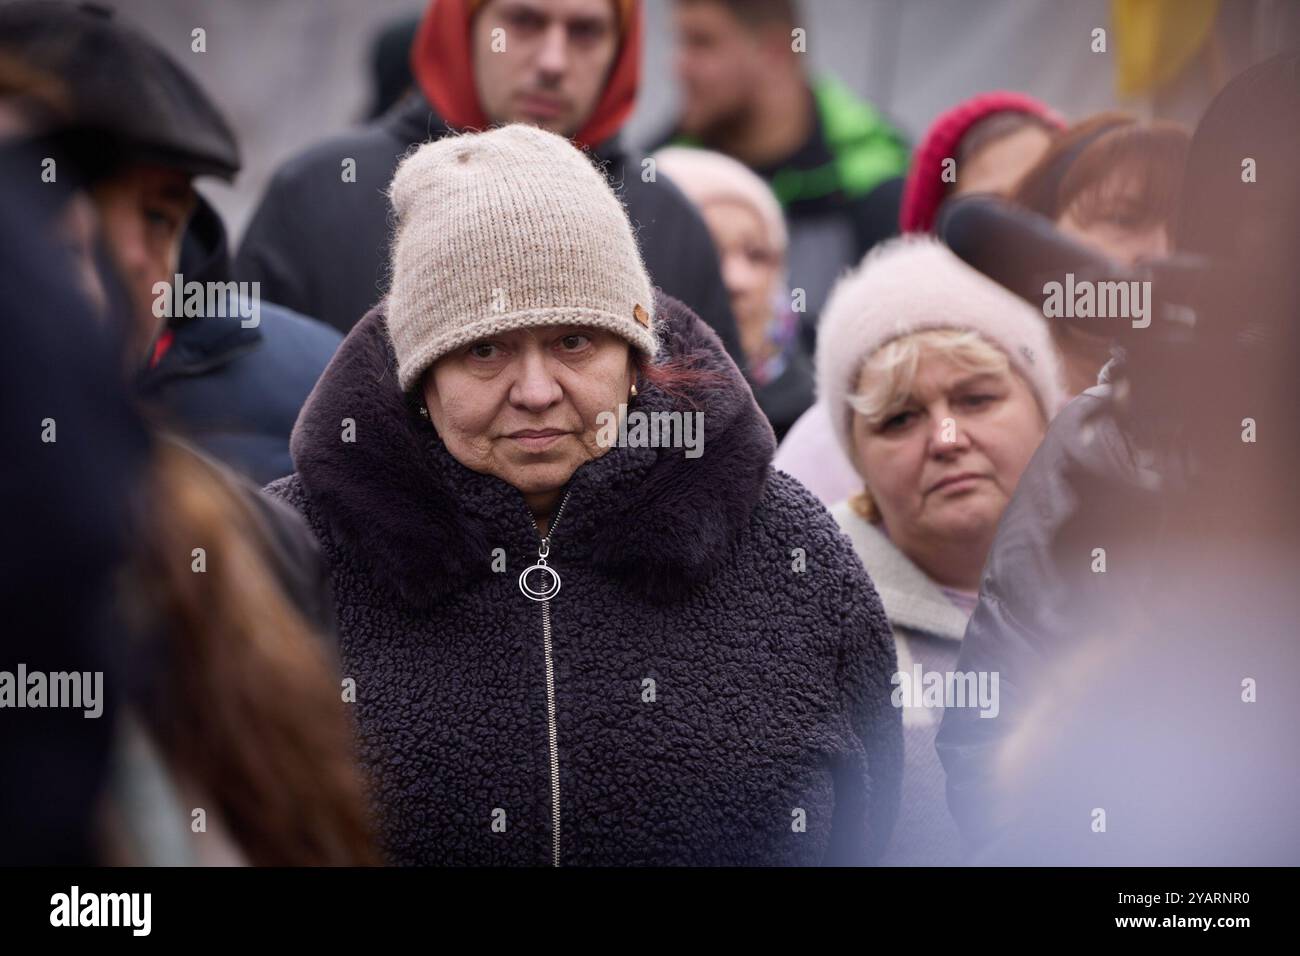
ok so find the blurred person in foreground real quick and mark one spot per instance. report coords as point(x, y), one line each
point(583, 643)
point(1140, 598)
point(63, 415)
point(940, 385)
point(745, 92)
point(231, 371)
point(225, 739)
point(318, 241)
point(984, 144)
point(749, 231)
point(215, 735)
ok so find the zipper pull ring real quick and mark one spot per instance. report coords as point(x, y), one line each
point(550, 576)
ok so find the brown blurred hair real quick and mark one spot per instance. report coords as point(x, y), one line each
point(247, 704)
point(1110, 168)
point(38, 98)
point(756, 13)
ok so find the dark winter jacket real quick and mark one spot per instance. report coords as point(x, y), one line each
point(721, 664)
point(234, 391)
point(320, 245)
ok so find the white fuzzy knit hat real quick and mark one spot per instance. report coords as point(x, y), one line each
point(504, 230)
point(913, 284)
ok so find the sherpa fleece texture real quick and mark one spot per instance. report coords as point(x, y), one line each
point(767, 735)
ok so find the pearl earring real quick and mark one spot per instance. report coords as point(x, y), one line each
point(634, 390)
point(424, 412)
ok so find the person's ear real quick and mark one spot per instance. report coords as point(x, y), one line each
point(633, 372)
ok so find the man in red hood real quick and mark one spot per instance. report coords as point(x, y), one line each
point(319, 239)
point(569, 66)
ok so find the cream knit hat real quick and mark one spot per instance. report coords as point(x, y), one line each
point(911, 284)
point(504, 230)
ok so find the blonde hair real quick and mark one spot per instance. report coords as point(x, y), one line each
point(891, 373)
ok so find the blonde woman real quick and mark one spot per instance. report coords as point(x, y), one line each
point(939, 385)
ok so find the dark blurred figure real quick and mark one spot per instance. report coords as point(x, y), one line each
point(390, 65)
point(231, 379)
point(1148, 712)
point(65, 536)
point(221, 734)
point(824, 152)
point(319, 239)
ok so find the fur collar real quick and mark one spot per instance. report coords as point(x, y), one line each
point(424, 526)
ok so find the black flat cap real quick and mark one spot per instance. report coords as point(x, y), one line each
point(121, 86)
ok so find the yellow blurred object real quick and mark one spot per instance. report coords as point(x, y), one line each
point(1156, 39)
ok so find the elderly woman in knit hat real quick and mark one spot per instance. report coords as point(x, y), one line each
point(984, 144)
point(940, 385)
point(570, 638)
point(748, 229)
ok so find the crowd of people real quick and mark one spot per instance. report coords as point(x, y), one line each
point(941, 579)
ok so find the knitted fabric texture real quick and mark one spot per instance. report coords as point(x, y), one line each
point(507, 230)
point(912, 284)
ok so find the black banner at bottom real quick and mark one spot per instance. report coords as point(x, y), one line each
point(334, 906)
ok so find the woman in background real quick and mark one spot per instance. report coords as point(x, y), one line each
point(983, 144)
point(748, 228)
point(1113, 184)
point(940, 385)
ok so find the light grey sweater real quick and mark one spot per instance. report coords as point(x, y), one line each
point(928, 629)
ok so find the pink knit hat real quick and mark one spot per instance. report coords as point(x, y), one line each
point(912, 284)
point(925, 189)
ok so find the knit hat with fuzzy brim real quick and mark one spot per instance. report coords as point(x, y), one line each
point(913, 284)
point(505, 230)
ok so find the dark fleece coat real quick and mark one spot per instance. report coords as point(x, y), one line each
point(767, 735)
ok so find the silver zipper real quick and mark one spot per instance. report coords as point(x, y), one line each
point(552, 734)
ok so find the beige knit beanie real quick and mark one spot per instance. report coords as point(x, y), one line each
point(503, 230)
